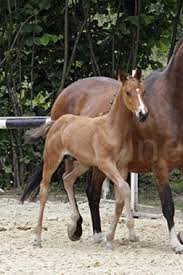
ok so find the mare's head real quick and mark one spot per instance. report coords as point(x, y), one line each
point(133, 91)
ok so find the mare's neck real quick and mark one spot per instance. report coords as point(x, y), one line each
point(119, 116)
point(174, 79)
point(174, 70)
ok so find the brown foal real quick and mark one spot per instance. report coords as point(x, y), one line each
point(103, 142)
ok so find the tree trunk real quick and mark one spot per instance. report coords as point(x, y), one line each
point(66, 69)
point(136, 35)
point(65, 45)
point(175, 27)
point(113, 41)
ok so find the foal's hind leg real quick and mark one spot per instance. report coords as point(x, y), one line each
point(74, 228)
point(51, 162)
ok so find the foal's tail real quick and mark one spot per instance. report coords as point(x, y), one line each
point(33, 135)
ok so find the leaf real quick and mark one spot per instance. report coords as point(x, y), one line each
point(134, 20)
point(37, 28)
point(147, 19)
point(7, 170)
point(37, 41)
point(29, 42)
point(44, 40)
point(44, 4)
point(27, 28)
point(28, 9)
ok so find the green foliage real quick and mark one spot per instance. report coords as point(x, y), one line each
point(47, 38)
point(32, 54)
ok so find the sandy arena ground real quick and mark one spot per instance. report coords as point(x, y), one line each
point(151, 255)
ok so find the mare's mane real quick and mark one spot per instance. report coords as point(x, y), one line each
point(177, 46)
point(175, 51)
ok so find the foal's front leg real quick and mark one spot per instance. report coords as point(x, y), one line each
point(129, 216)
point(122, 196)
point(74, 228)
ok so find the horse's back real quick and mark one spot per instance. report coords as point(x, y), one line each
point(88, 96)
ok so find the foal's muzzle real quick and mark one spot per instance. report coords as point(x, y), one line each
point(142, 116)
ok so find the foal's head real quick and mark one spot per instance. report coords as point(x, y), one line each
point(133, 90)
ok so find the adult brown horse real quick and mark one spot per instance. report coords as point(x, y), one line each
point(158, 144)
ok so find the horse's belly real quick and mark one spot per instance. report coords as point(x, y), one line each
point(77, 140)
point(173, 154)
point(144, 157)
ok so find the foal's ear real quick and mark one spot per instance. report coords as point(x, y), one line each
point(122, 76)
point(137, 73)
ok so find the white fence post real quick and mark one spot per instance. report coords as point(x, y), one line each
point(134, 191)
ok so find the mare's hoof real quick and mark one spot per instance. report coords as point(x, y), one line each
point(75, 231)
point(180, 237)
point(99, 237)
point(178, 248)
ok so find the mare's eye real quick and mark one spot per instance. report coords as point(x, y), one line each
point(128, 93)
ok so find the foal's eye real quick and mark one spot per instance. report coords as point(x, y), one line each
point(128, 93)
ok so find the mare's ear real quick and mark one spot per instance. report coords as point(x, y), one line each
point(137, 73)
point(122, 76)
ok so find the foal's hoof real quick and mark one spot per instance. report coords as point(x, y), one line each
point(109, 245)
point(75, 231)
point(180, 237)
point(37, 243)
point(133, 239)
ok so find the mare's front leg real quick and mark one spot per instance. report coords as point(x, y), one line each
point(122, 193)
point(74, 228)
point(162, 184)
point(93, 192)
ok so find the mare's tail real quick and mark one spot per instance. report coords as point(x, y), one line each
point(33, 183)
point(35, 180)
point(31, 136)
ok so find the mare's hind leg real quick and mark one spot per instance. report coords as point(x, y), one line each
point(74, 228)
point(93, 192)
point(162, 185)
point(122, 195)
point(51, 162)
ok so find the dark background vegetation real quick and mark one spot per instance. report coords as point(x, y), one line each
point(47, 44)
